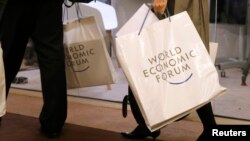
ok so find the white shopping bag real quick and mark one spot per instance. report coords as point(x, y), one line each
point(87, 60)
point(168, 69)
point(2, 86)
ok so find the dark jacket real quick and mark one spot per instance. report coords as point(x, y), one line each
point(198, 12)
point(2, 5)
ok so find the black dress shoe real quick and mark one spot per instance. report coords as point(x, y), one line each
point(140, 133)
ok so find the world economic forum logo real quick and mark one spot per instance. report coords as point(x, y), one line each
point(172, 66)
point(77, 57)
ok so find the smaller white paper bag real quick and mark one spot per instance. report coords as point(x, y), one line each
point(87, 60)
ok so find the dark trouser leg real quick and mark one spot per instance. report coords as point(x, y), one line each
point(208, 121)
point(14, 37)
point(137, 114)
point(206, 115)
point(42, 20)
point(141, 131)
point(135, 109)
point(48, 43)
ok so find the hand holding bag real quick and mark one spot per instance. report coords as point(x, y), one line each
point(168, 69)
point(2, 86)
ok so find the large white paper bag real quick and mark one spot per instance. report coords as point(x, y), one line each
point(87, 60)
point(2, 86)
point(168, 69)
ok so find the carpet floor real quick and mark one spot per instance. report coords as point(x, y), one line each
point(88, 122)
point(24, 128)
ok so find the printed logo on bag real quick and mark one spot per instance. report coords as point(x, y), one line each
point(77, 56)
point(173, 66)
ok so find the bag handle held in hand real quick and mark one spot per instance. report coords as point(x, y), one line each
point(166, 14)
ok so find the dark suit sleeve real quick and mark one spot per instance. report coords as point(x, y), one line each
point(2, 6)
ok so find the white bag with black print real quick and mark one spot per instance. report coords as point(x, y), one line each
point(168, 69)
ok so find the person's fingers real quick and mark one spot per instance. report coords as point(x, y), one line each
point(159, 6)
